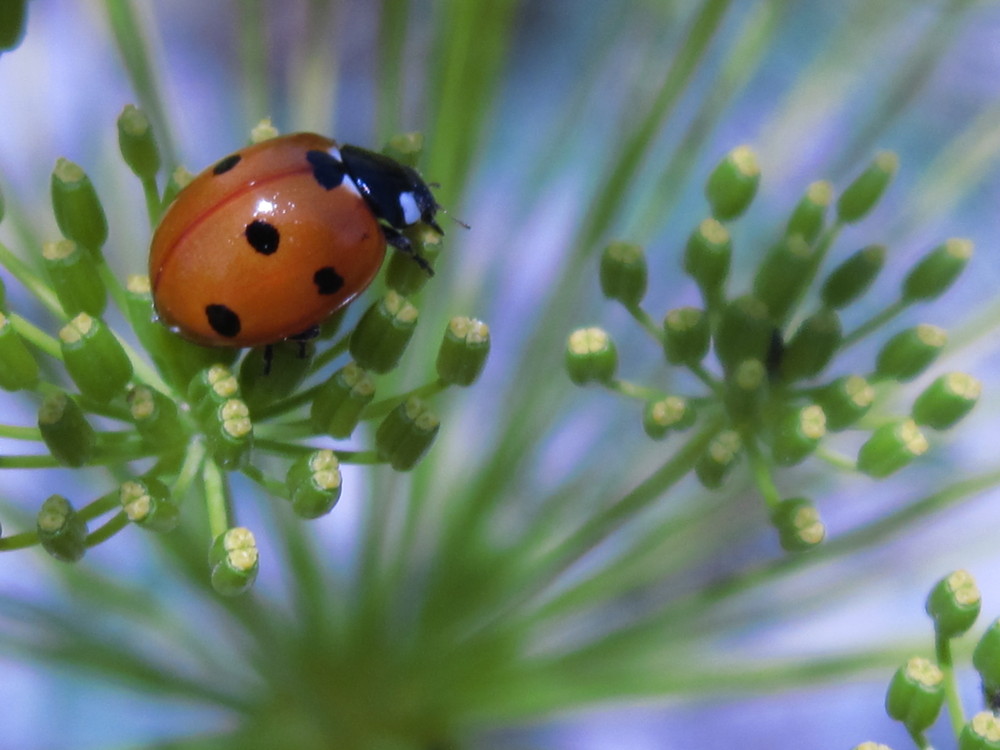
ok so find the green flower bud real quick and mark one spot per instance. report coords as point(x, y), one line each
point(177, 358)
point(686, 336)
point(137, 143)
point(845, 401)
point(18, 368)
point(406, 434)
point(155, 416)
point(798, 524)
point(65, 430)
point(229, 435)
point(986, 659)
point(148, 504)
point(61, 531)
point(13, 21)
point(405, 148)
point(907, 354)
point(75, 278)
point(94, 358)
point(745, 331)
point(77, 208)
point(891, 447)
point(180, 178)
point(591, 356)
point(916, 694)
point(707, 256)
point(782, 276)
point(264, 130)
point(270, 373)
point(211, 388)
point(954, 604)
point(463, 351)
point(314, 484)
point(402, 274)
point(797, 433)
point(665, 415)
point(746, 387)
point(3, 289)
point(812, 346)
point(624, 274)
point(982, 733)
point(719, 458)
point(234, 561)
point(851, 279)
point(946, 400)
point(383, 332)
point(937, 270)
point(732, 185)
point(861, 195)
point(337, 408)
point(809, 215)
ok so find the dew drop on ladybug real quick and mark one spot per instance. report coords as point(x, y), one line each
point(269, 241)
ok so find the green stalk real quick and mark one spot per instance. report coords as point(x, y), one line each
point(956, 714)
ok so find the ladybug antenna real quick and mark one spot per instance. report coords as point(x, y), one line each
point(443, 210)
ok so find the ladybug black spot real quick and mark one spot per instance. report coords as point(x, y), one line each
point(263, 237)
point(223, 320)
point(327, 280)
point(226, 164)
point(327, 171)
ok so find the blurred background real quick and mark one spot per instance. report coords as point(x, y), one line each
point(522, 146)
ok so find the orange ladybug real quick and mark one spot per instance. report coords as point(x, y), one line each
point(272, 239)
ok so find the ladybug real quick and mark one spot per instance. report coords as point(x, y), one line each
point(272, 239)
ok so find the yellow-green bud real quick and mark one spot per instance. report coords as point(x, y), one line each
point(812, 346)
point(916, 694)
point(947, 400)
point(982, 733)
point(745, 332)
point(861, 195)
point(65, 430)
point(797, 433)
point(61, 531)
point(624, 274)
point(937, 271)
point(381, 336)
point(907, 354)
point(732, 185)
point(798, 524)
point(591, 356)
point(665, 415)
point(845, 401)
point(402, 274)
point(851, 279)
point(229, 434)
point(954, 604)
point(783, 275)
point(77, 208)
point(270, 373)
point(891, 447)
point(147, 503)
point(406, 434)
point(314, 483)
point(463, 351)
point(94, 358)
point(137, 142)
point(686, 336)
point(18, 368)
point(719, 458)
point(75, 278)
point(337, 408)
point(707, 257)
point(809, 215)
point(155, 416)
point(13, 21)
point(234, 561)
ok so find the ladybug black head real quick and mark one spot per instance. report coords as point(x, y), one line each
point(395, 193)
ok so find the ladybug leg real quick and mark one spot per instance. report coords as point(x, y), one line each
point(398, 240)
point(304, 338)
point(268, 359)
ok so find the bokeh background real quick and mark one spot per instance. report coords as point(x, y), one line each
point(834, 83)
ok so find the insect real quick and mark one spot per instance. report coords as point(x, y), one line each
point(269, 241)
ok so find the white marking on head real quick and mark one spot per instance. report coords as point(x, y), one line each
point(408, 203)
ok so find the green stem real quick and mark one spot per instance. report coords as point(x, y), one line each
point(154, 204)
point(107, 530)
point(273, 486)
point(631, 390)
point(217, 500)
point(36, 337)
point(647, 322)
point(19, 541)
point(386, 405)
point(253, 59)
point(31, 281)
point(876, 321)
point(325, 357)
point(956, 714)
point(15, 432)
point(391, 41)
point(919, 739)
point(761, 469)
point(286, 405)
